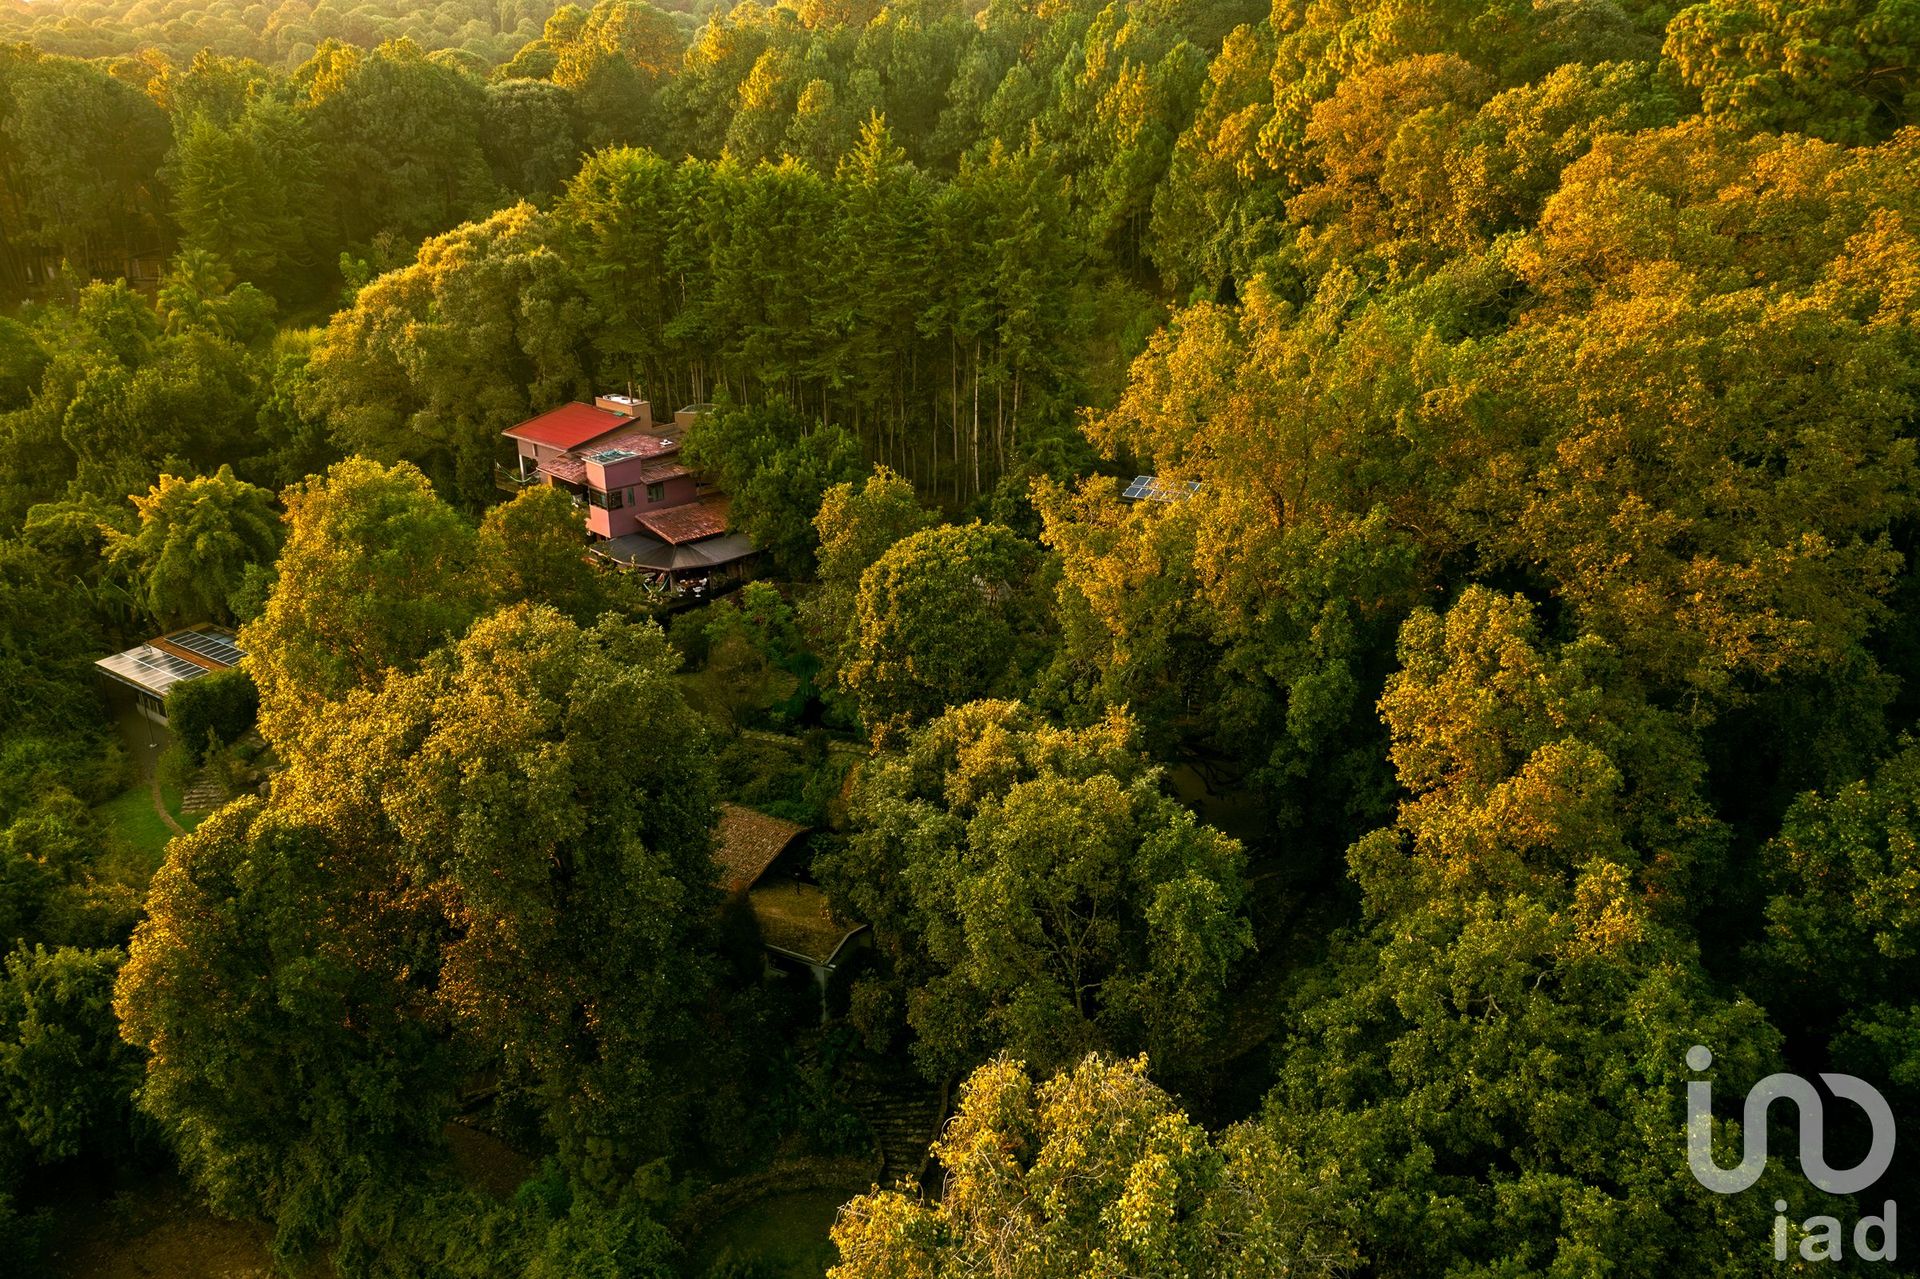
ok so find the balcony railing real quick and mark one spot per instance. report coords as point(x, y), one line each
point(509, 479)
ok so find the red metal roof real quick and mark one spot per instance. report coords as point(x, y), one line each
point(568, 427)
point(700, 518)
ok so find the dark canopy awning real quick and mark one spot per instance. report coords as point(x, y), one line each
point(637, 550)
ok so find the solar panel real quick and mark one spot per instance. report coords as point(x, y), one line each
point(215, 646)
point(1149, 488)
point(604, 456)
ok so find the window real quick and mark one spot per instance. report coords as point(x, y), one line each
point(605, 501)
point(655, 492)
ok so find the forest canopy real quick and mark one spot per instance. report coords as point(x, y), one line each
point(1334, 592)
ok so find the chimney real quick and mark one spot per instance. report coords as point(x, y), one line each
point(626, 406)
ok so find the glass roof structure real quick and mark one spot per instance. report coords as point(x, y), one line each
point(155, 667)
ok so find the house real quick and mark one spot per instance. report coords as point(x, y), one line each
point(152, 669)
point(797, 925)
point(643, 507)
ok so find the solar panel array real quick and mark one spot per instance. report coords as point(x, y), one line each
point(215, 646)
point(148, 668)
point(1149, 488)
point(606, 456)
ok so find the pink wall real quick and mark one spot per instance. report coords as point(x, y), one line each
point(679, 491)
point(606, 523)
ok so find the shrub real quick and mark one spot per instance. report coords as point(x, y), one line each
point(687, 632)
point(215, 708)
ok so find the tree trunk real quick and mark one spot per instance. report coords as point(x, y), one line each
point(974, 448)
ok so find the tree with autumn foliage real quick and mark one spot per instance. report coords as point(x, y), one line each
point(1093, 1171)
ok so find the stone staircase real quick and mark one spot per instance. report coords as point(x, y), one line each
point(905, 1114)
point(204, 793)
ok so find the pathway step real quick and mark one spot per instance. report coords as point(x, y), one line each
point(904, 1118)
point(204, 793)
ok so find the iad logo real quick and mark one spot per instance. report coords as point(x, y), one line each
point(1822, 1235)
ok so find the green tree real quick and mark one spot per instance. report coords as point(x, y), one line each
point(573, 873)
point(376, 573)
point(290, 1060)
point(195, 540)
point(614, 60)
point(1035, 889)
point(777, 465)
point(434, 360)
point(46, 857)
point(1838, 960)
point(66, 1079)
point(79, 150)
point(533, 136)
point(72, 535)
point(47, 636)
point(218, 707)
point(250, 191)
point(616, 236)
point(943, 617)
point(200, 292)
point(409, 127)
point(855, 527)
point(22, 360)
point(532, 549)
point(465, 869)
point(1840, 69)
point(1489, 1067)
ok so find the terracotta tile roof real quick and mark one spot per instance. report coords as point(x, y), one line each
point(565, 467)
point(690, 522)
point(657, 470)
point(795, 918)
point(746, 842)
point(568, 426)
point(637, 442)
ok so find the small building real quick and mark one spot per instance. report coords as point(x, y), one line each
point(643, 508)
point(152, 669)
point(796, 921)
point(746, 842)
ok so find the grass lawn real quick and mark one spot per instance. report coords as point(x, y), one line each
point(158, 1228)
point(786, 1234)
point(130, 815)
point(172, 798)
point(141, 843)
